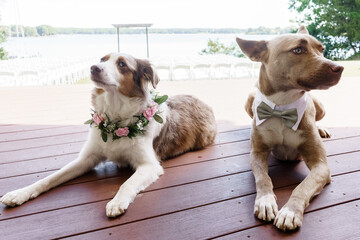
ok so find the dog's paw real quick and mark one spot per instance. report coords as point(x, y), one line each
point(116, 207)
point(288, 219)
point(324, 133)
point(18, 197)
point(265, 207)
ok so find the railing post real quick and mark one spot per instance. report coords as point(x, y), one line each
point(118, 38)
point(147, 42)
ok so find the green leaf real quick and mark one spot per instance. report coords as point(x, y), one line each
point(104, 136)
point(90, 121)
point(161, 99)
point(158, 118)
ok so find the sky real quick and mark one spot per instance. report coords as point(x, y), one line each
point(162, 13)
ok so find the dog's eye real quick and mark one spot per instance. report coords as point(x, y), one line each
point(121, 64)
point(298, 50)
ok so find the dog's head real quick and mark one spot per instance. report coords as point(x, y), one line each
point(292, 61)
point(124, 73)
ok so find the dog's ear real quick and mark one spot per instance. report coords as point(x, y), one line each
point(302, 29)
point(147, 73)
point(255, 50)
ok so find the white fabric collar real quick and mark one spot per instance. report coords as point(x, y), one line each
point(299, 104)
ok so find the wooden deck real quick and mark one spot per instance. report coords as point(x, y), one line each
point(202, 195)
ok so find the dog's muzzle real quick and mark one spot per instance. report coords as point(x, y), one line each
point(95, 70)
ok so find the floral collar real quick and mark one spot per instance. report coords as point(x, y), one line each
point(117, 130)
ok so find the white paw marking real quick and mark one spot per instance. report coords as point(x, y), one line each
point(265, 207)
point(287, 219)
point(116, 207)
point(18, 197)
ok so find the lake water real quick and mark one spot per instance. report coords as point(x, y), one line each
point(88, 46)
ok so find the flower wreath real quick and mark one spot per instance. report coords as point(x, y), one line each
point(116, 130)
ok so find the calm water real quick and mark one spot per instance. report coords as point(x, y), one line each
point(160, 45)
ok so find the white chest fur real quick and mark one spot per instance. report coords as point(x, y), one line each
point(125, 150)
point(274, 133)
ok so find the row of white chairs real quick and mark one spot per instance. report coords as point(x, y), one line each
point(51, 71)
point(206, 67)
point(43, 71)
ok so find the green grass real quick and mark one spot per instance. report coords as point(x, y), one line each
point(84, 81)
point(352, 68)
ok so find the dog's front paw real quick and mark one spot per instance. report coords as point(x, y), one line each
point(116, 207)
point(265, 207)
point(324, 133)
point(18, 197)
point(288, 219)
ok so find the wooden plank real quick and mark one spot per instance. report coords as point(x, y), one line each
point(71, 137)
point(55, 162)
point(11, 128)
point(202, 222)
point(43, 142)
point(40, 133)
point(40, 152)
point(339, 222)
point(107, 170)
point(23, 148)
point(225, 187)
point(336, 146)
point(43, 131)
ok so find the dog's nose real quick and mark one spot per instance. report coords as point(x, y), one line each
point(336, 68)
point(95, 70)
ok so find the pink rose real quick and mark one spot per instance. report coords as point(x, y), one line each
point(97, 119)
point(122, 132)
point(155, 107)
point(150, 111)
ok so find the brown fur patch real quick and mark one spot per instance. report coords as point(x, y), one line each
point(105, 58)
point(146, 73)
point(249, 103)
point(190, 125)
point(95, 93)
point(128, 81)
point(255, 50)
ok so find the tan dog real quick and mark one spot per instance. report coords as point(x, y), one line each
point(292, 65)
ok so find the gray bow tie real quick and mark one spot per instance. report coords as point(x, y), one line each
point(289, 117)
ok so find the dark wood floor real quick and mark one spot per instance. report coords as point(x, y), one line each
point(204, 194)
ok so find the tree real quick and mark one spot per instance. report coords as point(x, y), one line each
point(45, 30)
point(30, 32)
point(335, 22)
point(215, 47)
point(3, 35)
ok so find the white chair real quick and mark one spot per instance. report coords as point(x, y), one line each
point(202, 71)
point(181, 72)
point(7, 78)
point(164, 72)
point(222, 71)
point(28, 78)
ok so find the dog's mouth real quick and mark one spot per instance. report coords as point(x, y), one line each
point(328, 75)
point(97, 79)
point(308, 85)
point(100, 82)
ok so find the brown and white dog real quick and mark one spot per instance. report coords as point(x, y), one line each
point(292, 65)
point(122, 92)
